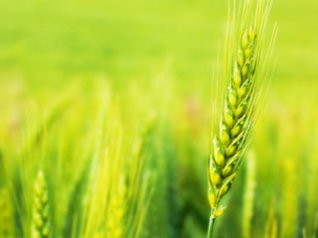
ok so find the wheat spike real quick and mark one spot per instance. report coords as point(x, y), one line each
point(237, 115)
point(41, 211)
point(235, 123)
point(114, 224)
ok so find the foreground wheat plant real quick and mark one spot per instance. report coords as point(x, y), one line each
point(41, 218)
point(234, 126)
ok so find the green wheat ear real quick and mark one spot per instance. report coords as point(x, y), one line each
point(41, 212)
point(235, 123)
point(238, 111)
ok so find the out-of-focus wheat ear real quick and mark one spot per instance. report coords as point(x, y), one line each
point(249, 195)
point(41, 223)
point(116, 210)
point(271, 229)
point(6, 215)
point(140, 193)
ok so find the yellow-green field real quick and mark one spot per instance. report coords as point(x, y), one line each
point(106, 115)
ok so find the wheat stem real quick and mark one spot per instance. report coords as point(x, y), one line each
point(211, 226)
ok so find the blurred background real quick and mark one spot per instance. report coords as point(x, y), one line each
point(158, 55)
point(47, 44)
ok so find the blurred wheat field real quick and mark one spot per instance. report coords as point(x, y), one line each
point(105, 122)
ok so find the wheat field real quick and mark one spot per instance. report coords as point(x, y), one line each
point(106, 122)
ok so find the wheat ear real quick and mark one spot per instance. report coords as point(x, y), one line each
point(235, 125)
point(41, 212)
point(237, 116)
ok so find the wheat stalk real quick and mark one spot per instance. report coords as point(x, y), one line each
point(229, 142)
point(41, 213)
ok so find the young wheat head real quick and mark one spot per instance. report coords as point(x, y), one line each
point(235, 124)
point(238, 106)
point(41, 212)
